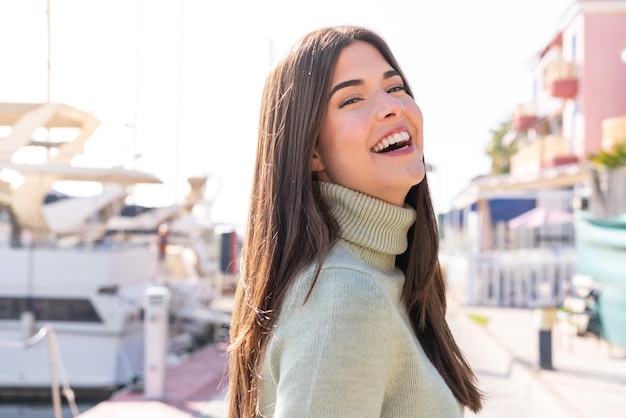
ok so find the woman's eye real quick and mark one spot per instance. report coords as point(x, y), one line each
point(397, 88)
point(348, 101)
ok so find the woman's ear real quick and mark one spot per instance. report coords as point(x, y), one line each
point(317, 164)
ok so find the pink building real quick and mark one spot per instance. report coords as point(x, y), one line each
point(579, 102)
point(578, 108)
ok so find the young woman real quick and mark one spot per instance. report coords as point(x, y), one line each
point(340, 311)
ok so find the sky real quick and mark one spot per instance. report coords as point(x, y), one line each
point(177, 83)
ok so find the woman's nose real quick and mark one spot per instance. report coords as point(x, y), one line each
point(388, 105)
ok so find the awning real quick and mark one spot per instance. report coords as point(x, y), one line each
point(489, 187)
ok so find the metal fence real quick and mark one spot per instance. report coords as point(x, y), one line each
point(513, 278)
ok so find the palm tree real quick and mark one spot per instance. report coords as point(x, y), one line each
point(500, 152)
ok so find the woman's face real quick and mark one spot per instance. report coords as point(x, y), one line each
point(371, 137)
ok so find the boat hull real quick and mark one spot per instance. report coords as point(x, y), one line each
point(601, 254)
point(93, 365)
point(92, 298)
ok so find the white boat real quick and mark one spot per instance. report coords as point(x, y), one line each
point(71, 263)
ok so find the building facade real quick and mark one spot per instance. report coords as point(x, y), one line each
point(578, 109)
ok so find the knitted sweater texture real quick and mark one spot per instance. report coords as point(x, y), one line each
point(350, 351)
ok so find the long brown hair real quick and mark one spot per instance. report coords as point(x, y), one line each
point(289, 225)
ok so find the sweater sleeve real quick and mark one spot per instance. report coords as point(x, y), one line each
point(331, 357)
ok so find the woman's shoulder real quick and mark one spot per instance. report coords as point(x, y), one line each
point(341, 256)
point(343, 279)
point(341, 260)
point(344, 294)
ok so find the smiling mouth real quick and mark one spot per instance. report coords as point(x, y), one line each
point(392, 142)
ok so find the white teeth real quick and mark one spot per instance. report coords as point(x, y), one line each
point(390, 140)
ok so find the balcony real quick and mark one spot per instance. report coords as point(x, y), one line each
point(524, 116)
point(545, 152)
point(560, 80)
point(613, 132)
point(527, 159)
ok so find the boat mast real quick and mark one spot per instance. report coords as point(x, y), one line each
point(136, 153)
point(49, 24)
point(179, 98)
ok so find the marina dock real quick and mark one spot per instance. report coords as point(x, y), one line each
point(195, 387)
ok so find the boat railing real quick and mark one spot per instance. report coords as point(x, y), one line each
point(57, 370)
point(104, 245)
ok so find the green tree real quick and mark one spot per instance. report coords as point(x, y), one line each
point(500, 152)
point(612, 158)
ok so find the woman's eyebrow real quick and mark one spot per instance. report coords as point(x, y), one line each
point(345, 84)
point(350, 83)
point(390, 73)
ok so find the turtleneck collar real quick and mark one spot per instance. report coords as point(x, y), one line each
point(374, 229)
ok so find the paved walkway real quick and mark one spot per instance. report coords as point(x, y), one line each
point(588, 380)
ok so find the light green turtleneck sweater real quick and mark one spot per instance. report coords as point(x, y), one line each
point(349, 351)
